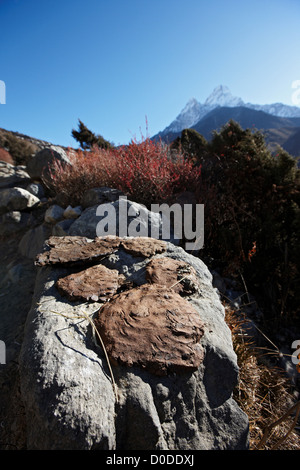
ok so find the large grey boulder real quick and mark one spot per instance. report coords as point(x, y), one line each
point(122, 217)
point(67, 393)
point(39, 166)
point(16, 199)
point(68, 390)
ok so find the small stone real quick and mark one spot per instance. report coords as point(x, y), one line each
point(72, 212)
point(15, 216)
point(36, 189)
point(53, 214)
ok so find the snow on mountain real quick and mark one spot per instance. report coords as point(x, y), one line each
point(191, 113)
point(221, 96)
point(277, 109)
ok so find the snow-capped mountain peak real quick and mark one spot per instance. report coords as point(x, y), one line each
point(194, 111)
point(221, 96)
point(190, 104)
point(190, 114)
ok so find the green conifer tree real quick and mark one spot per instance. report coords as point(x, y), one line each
point(87, 139)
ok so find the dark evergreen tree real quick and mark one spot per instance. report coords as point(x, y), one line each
point(252, 216)
point(87, 139)
point(192, 144)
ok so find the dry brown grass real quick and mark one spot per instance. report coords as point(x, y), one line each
point(264, 393)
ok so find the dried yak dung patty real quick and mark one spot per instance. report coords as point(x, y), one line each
point(153, 327)
point(96, 283)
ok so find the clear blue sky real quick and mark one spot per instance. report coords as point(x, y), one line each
point(110, 63)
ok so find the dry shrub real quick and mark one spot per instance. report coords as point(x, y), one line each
point(21, 150)
point(87, 170)
point(148, 173)
point(263, 392)
point(6, 157)
point(145, 171)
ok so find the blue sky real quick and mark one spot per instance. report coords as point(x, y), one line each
point(111, 63)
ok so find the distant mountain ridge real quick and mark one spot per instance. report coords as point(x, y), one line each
point(247, 118)
point(222, 97)
point(221, 106)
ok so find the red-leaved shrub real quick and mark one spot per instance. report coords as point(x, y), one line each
point(145, 171)
point(6, 157)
